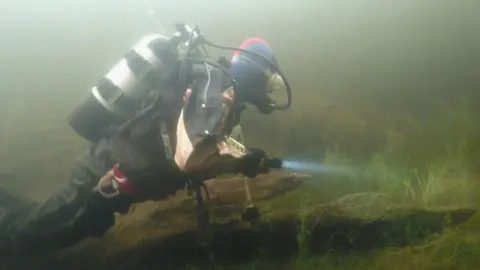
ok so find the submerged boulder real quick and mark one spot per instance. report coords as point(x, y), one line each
point(165, 235)
point(369, 220)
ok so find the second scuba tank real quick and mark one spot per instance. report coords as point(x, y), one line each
point(116, 96)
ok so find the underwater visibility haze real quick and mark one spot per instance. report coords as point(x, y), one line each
point(384, 118)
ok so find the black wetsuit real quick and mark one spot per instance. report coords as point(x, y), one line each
point(75, 212)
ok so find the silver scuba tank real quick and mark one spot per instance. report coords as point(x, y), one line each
point(116, 96)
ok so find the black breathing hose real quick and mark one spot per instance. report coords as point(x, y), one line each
point(183, 70)
point(183, 64)
point(272, 65)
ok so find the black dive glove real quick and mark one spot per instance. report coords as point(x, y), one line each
point(150, 183)
point(253, 163)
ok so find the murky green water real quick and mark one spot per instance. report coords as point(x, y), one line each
point(376, 56)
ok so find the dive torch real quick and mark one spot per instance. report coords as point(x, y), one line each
point(251, 213)
point(267, 163)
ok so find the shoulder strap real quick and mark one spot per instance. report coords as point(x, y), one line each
point(166, 141)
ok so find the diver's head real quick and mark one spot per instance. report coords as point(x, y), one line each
point(256, 77)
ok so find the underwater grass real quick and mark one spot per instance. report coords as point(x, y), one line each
point(427, 163)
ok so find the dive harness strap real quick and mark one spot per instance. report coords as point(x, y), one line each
point(166, 141)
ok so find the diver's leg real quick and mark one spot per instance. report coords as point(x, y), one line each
point(11, 208)
point(74, 212)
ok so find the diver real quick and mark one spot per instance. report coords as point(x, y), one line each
point(172, 140)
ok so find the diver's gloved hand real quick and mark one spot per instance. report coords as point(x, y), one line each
point(152, 182)
point(148, 183)
point(253, 163)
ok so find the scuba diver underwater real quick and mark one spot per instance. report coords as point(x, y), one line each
point(159, 121)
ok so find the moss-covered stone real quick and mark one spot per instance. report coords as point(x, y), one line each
point(361, 222)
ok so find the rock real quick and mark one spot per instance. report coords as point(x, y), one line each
point(226, 195)
point(369, 220)
point(168, 238)
point(261, 188)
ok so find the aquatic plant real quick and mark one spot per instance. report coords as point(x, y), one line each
point(423, 162)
